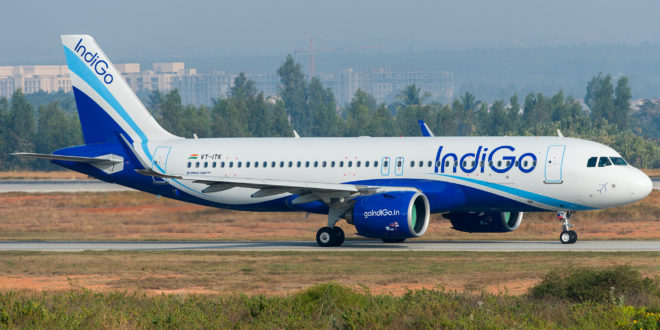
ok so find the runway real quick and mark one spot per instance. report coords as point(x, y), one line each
point(482, 246)
point(47, 186)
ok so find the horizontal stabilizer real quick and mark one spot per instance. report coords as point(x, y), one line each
point(107, 163)
point(77, 159)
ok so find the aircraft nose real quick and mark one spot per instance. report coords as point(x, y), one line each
point(642, 185)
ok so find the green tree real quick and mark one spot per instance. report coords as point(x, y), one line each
point(358, 113)
point(498, 122)
point(172, 110)
point(412, 95)
point(281, 126)
point(622, 96)
point(21, 129)
point(321, 112)
point(4, 145)
point(293, 91)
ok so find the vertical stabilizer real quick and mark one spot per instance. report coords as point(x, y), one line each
point(106, 104)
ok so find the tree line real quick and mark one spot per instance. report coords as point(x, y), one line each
point(310, 108)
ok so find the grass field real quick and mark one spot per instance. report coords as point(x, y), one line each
point(141, 216)
point(327, 290)
point(327, 306)
point(281, 273)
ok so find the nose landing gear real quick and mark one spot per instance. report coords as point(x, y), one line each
point(567, 236)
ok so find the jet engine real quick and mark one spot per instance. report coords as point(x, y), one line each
point(485, 222)
point(394, 215)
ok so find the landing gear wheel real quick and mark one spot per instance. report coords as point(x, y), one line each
point(339, 236)
point(567, 236)
point(325, 237)
point(393, 240)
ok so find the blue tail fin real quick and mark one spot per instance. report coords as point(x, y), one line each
point(106, 104)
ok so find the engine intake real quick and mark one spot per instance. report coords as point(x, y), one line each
point(391, 215)
point(485, 222)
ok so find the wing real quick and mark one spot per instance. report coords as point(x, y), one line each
point(307, 191)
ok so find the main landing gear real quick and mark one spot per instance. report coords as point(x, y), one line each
point(330, 236)
point(567, 236)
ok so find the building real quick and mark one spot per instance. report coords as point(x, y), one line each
point(202, 88)
point(385, 85)
point(34, 78)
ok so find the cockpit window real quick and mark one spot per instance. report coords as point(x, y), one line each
point(592, 162)
point(618, 161)
point(604, 161)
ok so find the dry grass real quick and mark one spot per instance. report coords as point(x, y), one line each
point(653, 172)
point(29, 175)
point(141, 216)
point(286, 272)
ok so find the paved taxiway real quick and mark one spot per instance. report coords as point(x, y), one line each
point(348, 246)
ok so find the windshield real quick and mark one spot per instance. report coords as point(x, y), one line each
point(618, 161)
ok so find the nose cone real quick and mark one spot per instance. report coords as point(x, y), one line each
point(641, 185)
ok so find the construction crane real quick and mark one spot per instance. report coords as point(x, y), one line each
point(311, 51)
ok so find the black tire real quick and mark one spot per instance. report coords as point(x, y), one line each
point(393, 240)
point(339, 236)
point(566, 237)
point(574, 236)
point(325, 237)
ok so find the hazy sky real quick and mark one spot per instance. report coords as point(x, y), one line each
point(164, 29)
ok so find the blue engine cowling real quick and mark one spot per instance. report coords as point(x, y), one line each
point(391, 215)
point(485, 222)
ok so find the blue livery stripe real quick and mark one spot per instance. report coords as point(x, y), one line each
point(523, 193)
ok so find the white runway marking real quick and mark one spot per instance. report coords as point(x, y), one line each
point(493, 246)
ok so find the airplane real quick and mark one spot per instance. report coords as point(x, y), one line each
point(385, 187)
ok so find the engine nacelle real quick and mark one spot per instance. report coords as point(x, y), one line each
point(391, 215)
point(485, 222)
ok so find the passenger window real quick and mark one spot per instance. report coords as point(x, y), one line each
point(290, 164)
point(196, 164)
point(247, 164)
point(332, 163)
point(214, 164)
point(366, 164)
point(265, 164)
point(239, 164)
point(618, 161)
point(222, 164)
point(272, 164)
point(499, 163)
point(189, 164)
point(399, 163)
point(298, 164)
point(307, 164)
point(376, 164)
point(341, 163)
point(357, 164)
point(386, 164)
point(256, 164)
point(281, 164)
point(429, 164)
point(412, 163)
point(350, 163)
point(508, 163)
point(474, 162)
point(604, 161)
point(316, 163)
point(421, 163)
point(446, 163)
point(439, 163)
point(325, 163)
point(206, 164)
